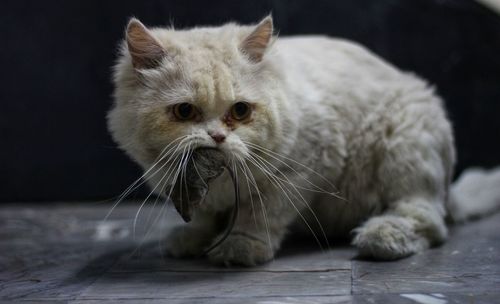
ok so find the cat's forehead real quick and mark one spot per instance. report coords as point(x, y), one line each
point(209, 62)
point(212, 81)
point(213, 84)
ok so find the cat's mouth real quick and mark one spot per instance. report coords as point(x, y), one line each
point(203, 166)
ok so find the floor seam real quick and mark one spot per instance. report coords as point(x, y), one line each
point(352, 277)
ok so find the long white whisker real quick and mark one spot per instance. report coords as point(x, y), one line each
point(183, 182)
point(134, 185)
point(249, 191)
point(145, 201)
point(174, 180)
point(149, 195)
point(170, 171)
point(276, 156)
point(269, 164)
point(263, 207)
point(148, 232)
point(162, 209)
point(170, 154)
point(161, 156)
point(190, 152)
point(275, 182)
point(179, 173)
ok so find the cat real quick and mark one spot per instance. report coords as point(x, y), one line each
point(326, 138)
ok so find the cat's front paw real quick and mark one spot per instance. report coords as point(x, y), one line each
point(388, 238)
point(184, 242)
point(241, 250)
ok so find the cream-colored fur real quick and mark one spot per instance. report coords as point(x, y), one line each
point(325, 110)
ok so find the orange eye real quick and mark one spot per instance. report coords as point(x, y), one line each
point(184, 111)
point(241, 110)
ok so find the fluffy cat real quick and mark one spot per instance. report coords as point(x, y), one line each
point(326, 138)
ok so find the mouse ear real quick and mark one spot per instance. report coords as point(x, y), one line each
point(145, 50)
point(255, 44)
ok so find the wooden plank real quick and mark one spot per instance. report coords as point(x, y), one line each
point(425, 298)
point(52, 252)
point(469, 262)
point(239, 300)
point(178, 285)
point(50, 270)
point(151, 258)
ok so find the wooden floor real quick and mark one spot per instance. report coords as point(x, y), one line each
point(65, 253)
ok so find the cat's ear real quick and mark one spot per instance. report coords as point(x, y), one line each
point(255, 44)
point(144, 48)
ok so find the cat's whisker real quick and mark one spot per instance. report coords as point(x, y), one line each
point(165, 204)
point(145, 201)
point(160, 213)
point(148, 232)
point(149, 195)
point(263, 207)
point(286, 192)
point(269, 164)
point(264, 213)
point(174, 179)
point(190, 152)
point(249, 190)
point(161, 156)
point(170, 154)
point(195, 166)
point(277, 156)
point(170, 171)
point(180, 173)
point(134, 185)
point(183, 175)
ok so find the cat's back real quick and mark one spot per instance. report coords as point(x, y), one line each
point(337, 72)
point(326, 57)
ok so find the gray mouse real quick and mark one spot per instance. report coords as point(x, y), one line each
point(204, 165)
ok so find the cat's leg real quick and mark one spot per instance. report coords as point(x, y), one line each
point(190, 240)
point(257, 233)
point(410, 225)
point(412, 174)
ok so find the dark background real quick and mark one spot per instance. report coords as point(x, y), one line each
point(55, 59)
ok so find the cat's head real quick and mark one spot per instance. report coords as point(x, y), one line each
point(176, 90)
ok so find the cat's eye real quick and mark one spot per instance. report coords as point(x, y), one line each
point(184, 111)
point(241, 110)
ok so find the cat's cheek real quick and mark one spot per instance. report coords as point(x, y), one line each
point(156, 129)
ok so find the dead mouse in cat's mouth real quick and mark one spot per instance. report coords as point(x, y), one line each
point(203, 166)
point(189, 191)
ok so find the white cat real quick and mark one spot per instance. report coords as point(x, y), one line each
point(325, 136)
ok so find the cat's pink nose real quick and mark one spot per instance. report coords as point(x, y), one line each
point(218, 137)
